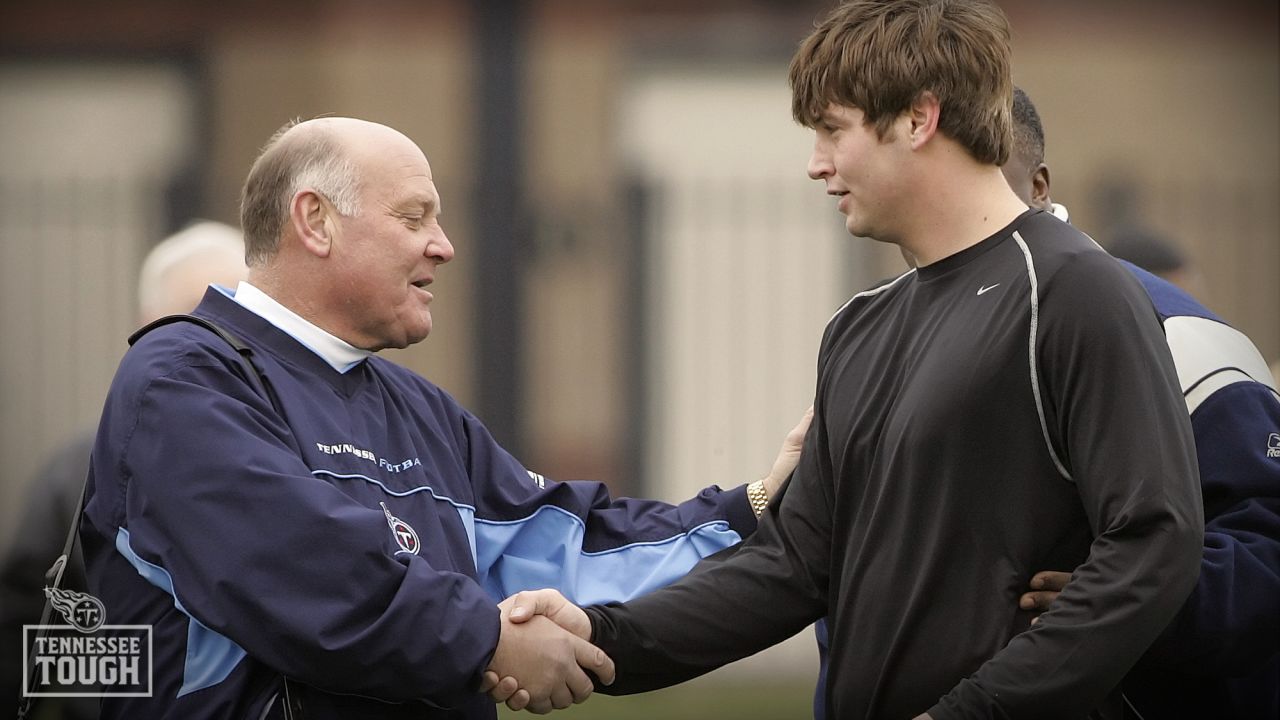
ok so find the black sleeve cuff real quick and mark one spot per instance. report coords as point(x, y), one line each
point(737, 510)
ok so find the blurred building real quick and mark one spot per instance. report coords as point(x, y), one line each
point(643, 269)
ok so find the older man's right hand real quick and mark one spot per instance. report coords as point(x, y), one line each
point(543, 653)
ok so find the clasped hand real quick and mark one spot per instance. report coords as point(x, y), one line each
point(543, 654)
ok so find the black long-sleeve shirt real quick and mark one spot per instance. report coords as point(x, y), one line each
point(1010, 408)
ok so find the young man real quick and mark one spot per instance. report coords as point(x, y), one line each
point(339, 545)
point(1008, 405)
point(1220, 657)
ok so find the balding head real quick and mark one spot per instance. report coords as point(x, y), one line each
point(341, 218)
point(176, 272)
point(312, 155)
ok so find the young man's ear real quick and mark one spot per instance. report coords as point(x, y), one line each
point(311, 217)
point(1040, 188)
point(923, 116)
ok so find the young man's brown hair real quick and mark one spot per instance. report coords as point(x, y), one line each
point(879, 56)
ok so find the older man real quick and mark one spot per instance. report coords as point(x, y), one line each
point(339, 545)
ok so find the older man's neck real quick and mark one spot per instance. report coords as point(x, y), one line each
point(275, 282)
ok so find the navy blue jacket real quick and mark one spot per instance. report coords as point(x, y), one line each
point(356, 542)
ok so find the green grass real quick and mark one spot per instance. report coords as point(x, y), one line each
point(703, 699)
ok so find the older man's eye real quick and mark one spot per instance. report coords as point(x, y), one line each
point(413, 221)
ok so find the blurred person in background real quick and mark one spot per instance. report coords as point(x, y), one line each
point(171, 280)
point(1220, 657)
point(958, 441)
point(339, 547)
point(1154, 253)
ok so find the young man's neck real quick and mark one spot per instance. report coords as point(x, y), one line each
point(961, 205)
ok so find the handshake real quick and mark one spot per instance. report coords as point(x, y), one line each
point(544, 653)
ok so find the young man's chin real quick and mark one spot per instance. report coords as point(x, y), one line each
point(856, 228)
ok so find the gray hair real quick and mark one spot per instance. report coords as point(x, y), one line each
point(287, 166)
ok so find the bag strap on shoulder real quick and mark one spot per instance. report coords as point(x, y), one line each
point(243, 350)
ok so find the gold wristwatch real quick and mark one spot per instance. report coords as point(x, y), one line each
point(758, 497)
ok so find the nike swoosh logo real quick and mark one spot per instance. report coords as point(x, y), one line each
point(989, 287)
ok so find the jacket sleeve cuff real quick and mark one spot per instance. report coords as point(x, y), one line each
point(737, 510)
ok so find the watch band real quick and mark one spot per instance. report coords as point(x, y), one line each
point(758, 497)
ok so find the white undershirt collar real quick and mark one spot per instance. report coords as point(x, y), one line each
point(339, 354)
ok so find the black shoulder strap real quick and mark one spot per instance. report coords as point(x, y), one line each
point(243, 350)
point(53, 577)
